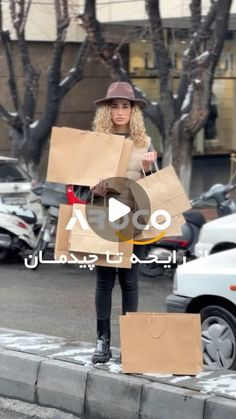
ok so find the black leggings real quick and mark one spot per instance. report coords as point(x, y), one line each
point(128, 279)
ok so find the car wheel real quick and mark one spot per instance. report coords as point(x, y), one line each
point(3, 253)
point(152, 270)
point(218, 337)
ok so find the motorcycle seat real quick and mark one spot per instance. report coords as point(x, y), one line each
point(194, 217)
point(29, 219)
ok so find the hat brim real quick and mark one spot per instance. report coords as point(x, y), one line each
point(140, 102)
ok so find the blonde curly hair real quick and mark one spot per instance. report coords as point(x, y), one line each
point(102, 123)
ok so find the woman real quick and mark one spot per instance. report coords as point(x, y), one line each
point(119, 113)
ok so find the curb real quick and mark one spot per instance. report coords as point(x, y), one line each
point(57, 373)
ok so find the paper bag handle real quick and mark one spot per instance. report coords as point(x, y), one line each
point(155, 165)
point(156, 335)
point(104, 200)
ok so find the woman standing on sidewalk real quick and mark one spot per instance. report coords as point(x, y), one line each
point(119, 113)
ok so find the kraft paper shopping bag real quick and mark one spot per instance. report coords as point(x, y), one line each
point(62, 245)
point(84, 157)
point(164, 191)
point(173, 230)
point(167, 343)
point(83, 238)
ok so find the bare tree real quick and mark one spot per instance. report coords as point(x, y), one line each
point(29, 136)
point(178, 117)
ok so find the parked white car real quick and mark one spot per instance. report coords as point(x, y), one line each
point(208, 286)
point(216, 235)
point(16, 187)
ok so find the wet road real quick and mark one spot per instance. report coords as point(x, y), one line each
point(59, 300)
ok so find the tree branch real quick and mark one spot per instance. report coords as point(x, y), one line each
point(202, 73)
point(112, 61)
point(196, 13)
point(76, 73)
point(1, 27)
point(25, 13)
point(164, 66)
point(12, 120)
point(43, 127)
point(161, 55)
point(62, 23)
point(19, 18)
point(5, 37)
point(198, 36)
point(218, 38)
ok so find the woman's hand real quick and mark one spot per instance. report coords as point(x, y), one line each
point(100, 189)
point(148, 159)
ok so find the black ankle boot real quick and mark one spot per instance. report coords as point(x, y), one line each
point(102, 351)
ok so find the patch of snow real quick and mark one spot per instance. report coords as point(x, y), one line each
point(159, 375)
point(85, 360)
point(64, 81)
point(154, 103)
point(186, 52)
point(203, 55)
point(34, 124)
point(30, 342)
point(73, 352)
point(114, 367)
point(183, 116)
point(177, 379)
point(39, 347)
point(203, 374)
point(224, 384)
point(187, 98)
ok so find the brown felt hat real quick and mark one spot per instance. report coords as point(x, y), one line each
point(120, 90)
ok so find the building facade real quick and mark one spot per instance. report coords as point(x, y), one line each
point(122, 18)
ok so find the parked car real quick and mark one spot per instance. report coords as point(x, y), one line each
point(16, 187)
point(184, 245)
point(216, 235)
point(208, 286)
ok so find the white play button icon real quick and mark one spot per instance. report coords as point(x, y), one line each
point(114, 215)
point(116, 209)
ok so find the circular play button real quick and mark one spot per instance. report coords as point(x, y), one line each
point(116, 209)
point(118, 216)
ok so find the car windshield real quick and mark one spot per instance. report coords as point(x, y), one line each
point(10, 172)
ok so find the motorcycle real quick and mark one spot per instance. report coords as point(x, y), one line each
point(183, 246)
point(18, 230)
point(21, 231)
point(50, 198)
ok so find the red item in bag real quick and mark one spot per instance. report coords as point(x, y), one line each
point(72, 198)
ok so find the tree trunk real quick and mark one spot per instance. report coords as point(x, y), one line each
point(186, 164)
point(26, 150)
point(182, 157)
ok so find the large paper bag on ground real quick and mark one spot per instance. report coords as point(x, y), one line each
point(161, 343)
point(84, 157)
point(62, 244)
point(164, 191)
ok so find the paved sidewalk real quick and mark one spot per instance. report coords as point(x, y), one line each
point(54, 372)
